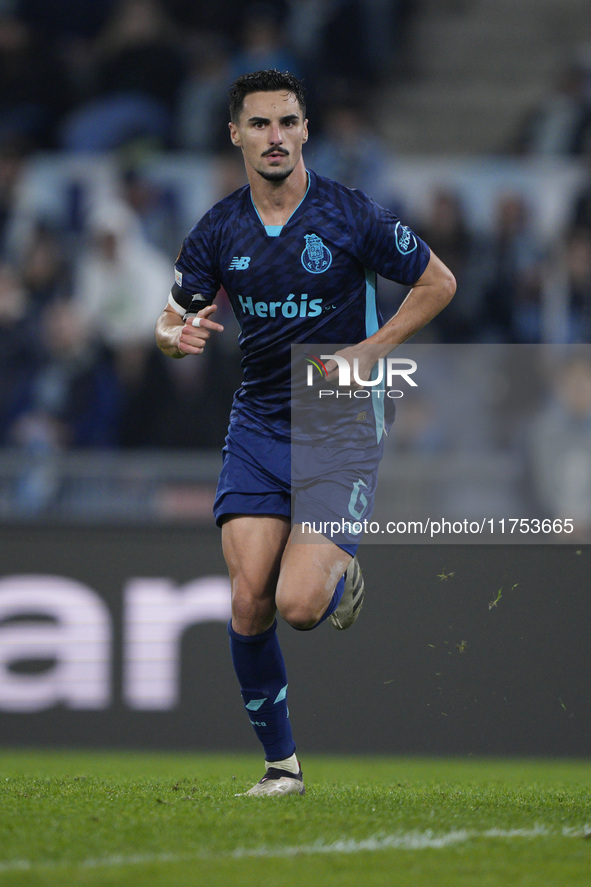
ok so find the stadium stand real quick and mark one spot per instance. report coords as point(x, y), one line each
point(446, 103)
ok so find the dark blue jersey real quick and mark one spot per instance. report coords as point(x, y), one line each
point(310, 280)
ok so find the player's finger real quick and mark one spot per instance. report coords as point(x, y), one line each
point(193, 335)
point(191, 346)
point(201, 329)
point(204, 315)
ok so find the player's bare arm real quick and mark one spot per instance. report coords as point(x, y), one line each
point(177, 337)
point(433, 290)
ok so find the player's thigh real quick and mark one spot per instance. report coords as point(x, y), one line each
point(310, 571)
point(253, 547)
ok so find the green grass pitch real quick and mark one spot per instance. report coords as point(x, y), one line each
point(149, 819)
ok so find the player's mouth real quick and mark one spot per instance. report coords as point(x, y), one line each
point(276, 153)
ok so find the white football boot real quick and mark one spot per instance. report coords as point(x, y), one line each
point(350, 604)
point(277, 782)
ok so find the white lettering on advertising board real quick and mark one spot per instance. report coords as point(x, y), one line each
point(62, 631)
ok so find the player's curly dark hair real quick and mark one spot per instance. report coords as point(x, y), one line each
point(264, 81)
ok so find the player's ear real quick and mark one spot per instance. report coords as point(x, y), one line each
point(234, 134)
point(305, 135)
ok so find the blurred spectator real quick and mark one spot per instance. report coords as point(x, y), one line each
point(561, 124)
point(67, 398)
point(62, 19)
point(224, 17)
point(385, 25)
point(121, 286)
point(19, 352)
point(511, 268)
point(568, 291)
point(202, 109)
point(350, 150)
point(33, 86)
point(581, 210)
point(138, 52)
point(263, 44)
point(352, 40)
point(45, 272)
point(12, 163)
point(446, 231)
point(71, 28)
point(138, 75)
point(155, 208)
point(578, 279)
point(560, 447)
point(71, 397)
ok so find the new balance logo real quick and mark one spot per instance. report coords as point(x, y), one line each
point(239, 263)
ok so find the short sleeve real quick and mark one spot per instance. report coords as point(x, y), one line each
point(195, 270)
point(389, 247)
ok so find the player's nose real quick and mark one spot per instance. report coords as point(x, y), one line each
point(275, 134)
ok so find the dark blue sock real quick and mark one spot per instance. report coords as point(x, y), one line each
point(260, 668)
point(334, 601)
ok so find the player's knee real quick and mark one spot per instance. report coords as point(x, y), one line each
point(252, 613)
point(301, 615)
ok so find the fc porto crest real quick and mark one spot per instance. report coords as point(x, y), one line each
point(316, 257)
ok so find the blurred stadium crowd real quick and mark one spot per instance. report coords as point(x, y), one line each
point(139, 84)
point(88, 76)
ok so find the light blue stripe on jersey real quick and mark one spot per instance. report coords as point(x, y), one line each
point(371, 311)
point(273, 230)
point(371, 327)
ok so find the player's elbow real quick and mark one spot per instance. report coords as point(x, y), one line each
point(440, 282)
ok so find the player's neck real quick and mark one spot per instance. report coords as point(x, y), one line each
point(277, 201)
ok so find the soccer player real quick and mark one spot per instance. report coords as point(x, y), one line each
point(298, 256)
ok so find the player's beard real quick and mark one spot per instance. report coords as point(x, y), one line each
point(275, 175)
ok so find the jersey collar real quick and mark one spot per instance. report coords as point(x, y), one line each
point(275, 230)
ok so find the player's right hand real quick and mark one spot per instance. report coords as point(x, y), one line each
point(193, 338)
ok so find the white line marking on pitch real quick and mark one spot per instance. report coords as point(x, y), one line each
point(397, 841)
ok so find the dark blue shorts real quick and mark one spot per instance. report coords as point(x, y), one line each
point(328, 489)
